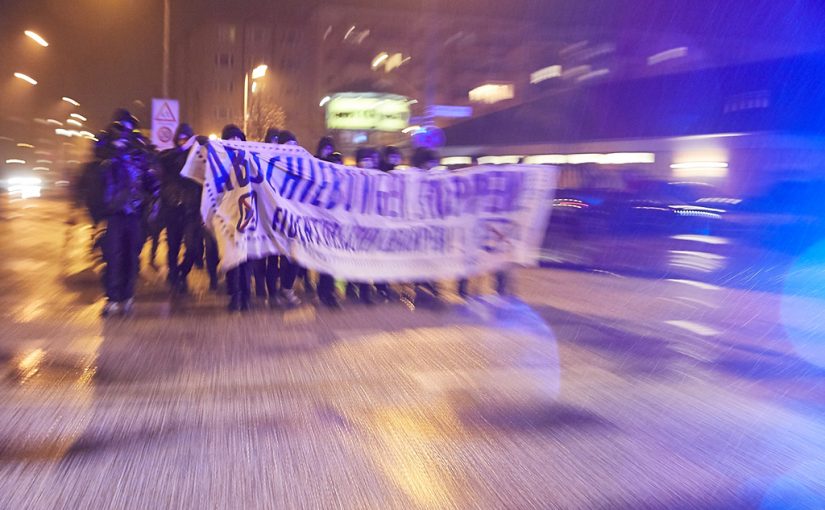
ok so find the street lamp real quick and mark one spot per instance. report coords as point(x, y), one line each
point(257, 73)
point(36, 38)
point(26, 78)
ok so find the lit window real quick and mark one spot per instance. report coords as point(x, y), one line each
point(492, 93)
point(226, 34)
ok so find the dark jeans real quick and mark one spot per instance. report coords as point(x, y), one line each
point(280, 267)
point(259, 273)
point(269, 271)
point(203, 239)
point(182, 228)
point(326, 286)
point(237, 281)
point(121, 252)
point(501, 284)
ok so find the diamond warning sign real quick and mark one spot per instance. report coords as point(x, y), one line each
point(165, 115)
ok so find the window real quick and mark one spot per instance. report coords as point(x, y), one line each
point(224, 86)
point(222, 113)
point(225, 60)
point(226, 34)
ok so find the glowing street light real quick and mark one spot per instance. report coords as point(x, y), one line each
point(257, 73)
point(36, 38)
point(78, 116)
point(25, 78)
point(70, 101)
point(74, 122)
point(15, 162)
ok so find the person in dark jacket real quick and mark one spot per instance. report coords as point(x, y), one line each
point(180, 200)
point(128, 186)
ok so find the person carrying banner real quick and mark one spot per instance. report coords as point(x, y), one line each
point(180, 198)
point(326, 282)
point(259, 266)
point(391, 157)
point(365, 157)
point(276, 268)
point(237, 278)
point(287, 270)
point(128, 186)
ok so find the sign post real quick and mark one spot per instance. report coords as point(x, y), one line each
point(165, 120)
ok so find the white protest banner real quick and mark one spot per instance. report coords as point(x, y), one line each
point(365, 225)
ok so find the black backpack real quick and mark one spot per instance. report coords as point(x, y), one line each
point(92, 190)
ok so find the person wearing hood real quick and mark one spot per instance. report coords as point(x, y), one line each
point(128, 186)
point(180, 200)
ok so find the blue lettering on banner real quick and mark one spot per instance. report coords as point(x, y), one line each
point(335, 195)
point(310, 181)
point(219, 174)
point(316, 198)
point(258, 177)
point(239, 163)
point(356, 238)
point(292, 177)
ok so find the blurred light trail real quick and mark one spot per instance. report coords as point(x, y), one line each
point(25, 78)
point(36, 38)
point(78, 116)
point(70, 101)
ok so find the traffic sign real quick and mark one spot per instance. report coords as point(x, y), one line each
point(165, 119)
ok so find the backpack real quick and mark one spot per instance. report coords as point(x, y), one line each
point(92, 189)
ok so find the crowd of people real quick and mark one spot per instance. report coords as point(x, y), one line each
point(139, 192)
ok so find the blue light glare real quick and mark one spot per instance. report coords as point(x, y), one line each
point(803, 305)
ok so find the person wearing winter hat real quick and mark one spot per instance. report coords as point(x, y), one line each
point(390, 158)
point(180, 200)
point(272, 135)
point(127, 186)
point(259, 266)
point(287, 270)
point(326, 283)
point(237, 278)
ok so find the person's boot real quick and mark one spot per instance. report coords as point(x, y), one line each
point(234, 303)
point(213, 283)
point(351, 292)
point(244, 304)
point(290, 298)
point(110, 308)
point(330, 301)
point(128, 306)
point(366, 297)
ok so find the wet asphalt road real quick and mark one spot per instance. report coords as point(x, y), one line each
point(589, 391)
